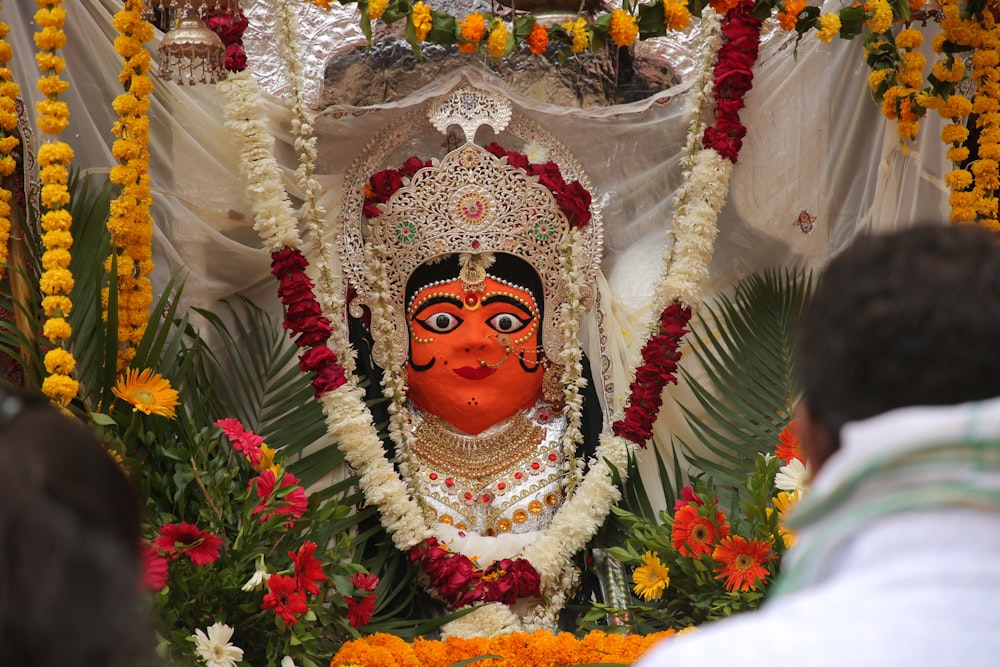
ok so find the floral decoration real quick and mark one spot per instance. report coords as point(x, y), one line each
point(54, 159)
point(229, 24)
point(9, 91)
point(148, 392)
point(130, 224)
point(537, 649)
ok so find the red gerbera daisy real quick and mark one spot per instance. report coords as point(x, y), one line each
point(308, 570)
point(294, 503)
point(364, 581)
point(790, 446)
point(286, 599)
point(742, 562)
point(185, 538)
point(693, 534)
point(246, 442)
point(359, 611)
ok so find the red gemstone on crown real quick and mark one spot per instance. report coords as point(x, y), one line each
point(475, 244)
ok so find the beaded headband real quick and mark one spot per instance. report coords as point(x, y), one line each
point(476, 200)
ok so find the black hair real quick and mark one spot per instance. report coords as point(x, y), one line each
point(903, 319)
point(507, 267)
point(70, 554)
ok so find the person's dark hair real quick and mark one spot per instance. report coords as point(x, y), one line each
point(903, 319)
point(70, 544)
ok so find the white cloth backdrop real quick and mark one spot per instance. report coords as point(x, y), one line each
point(816, 142)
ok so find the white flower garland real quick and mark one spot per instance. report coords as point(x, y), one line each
point(350, 423)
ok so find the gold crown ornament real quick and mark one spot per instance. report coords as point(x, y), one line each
point(474, 202)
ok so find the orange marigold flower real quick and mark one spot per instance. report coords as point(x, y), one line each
point(538, 39)
point(623, 30)
point(723, 6)
point(693, 534)
point(790, 16)
point(473, 28)
point(789, 444)
point(676, 15)
point(742, 562)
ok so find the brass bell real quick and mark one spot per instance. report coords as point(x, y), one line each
point(191, 52)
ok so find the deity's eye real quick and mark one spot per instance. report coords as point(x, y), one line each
point(507, 323)
point(440, 322)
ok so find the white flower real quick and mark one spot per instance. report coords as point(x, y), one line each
point(288, 662)
point(215, 648)
point(535, 152)
point(258, 577)
point(793, 477)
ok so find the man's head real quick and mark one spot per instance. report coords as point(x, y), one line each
point(903, 319)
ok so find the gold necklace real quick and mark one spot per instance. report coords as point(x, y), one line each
point(476, 456)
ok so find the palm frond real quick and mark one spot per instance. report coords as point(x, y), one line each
point(747, 351)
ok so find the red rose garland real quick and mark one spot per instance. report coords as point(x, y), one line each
point(229, 25)
point(304, 318)
point(733, 76)
point(459, 582)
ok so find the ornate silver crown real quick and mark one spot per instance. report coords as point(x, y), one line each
point(470, 201)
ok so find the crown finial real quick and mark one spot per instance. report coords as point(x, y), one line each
point(470, 109)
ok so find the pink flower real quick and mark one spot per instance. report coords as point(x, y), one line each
point(294, 503)
point(184, 538)
point(245, 442)
point(154, 568)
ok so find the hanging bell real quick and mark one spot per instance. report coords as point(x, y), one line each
point(191, 53)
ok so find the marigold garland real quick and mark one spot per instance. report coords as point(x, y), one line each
point(129, 222)
point(54, 158)
point(9, 90)
point(537, 649)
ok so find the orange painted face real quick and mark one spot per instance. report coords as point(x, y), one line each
point(475, 358)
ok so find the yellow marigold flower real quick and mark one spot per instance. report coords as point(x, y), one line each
point(60, 388)
point(54, 174)
point(59, 360)
point(57, 305)
point(8, 143)
point(651, 578)
point(6, 52)
point(7, 165)
point(55, 259)
point(955, 133)
point(914, 60)
point(987, 207)
point(623, 30)
point(958, 154)
point(56, 329)
point(57, 281)
point(881, 16)
point(829, 27)
point(910, 77)
point(47, 62)
point(676, 15)
point(123, 174)
point(877, 77)
point(472, 30)
point(50, 39)
point(949, 70)
point(982, 59)
point(55, 195)
point(496, 43)
point(52, 16)
point(148, 392)
point(376, 8)
point(142, 85)
point(577, 30)
point(52, 85)
point(58, 151)
point(538, 39)
point(909, 39)
point(127, 46)
point(982, 105)
point(422, 20)
point(957, 106)
point(57, 238)
point(52, 124)
point(958, 179)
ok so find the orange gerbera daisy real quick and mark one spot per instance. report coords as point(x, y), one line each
point(693, 534)
point(742, 562)
point(790, 447)
point(148, 392)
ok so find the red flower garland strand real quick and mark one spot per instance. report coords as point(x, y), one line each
point(304, 318)
point(733, 75)
point(459, 582)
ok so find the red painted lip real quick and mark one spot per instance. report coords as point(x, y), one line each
point(475, 373)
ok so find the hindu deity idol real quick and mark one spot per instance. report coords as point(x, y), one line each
point(475, 269)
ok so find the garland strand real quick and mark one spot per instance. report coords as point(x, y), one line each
point(9, 90)
point(54, 158)
point(129, 221)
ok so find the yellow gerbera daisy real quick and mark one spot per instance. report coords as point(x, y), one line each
point(147, 391)
point(651, 578)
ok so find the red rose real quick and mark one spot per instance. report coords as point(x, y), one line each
point(316, 357)
point(518, 160)
point(734, 83)
point(384, 183)
point(286, 261)
point(495, 149)
point(328, 378)
point(295, 286)
point(411, 166)
point(313, 331)
point(236, 58)
point(574, 200)
point(529, 582)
